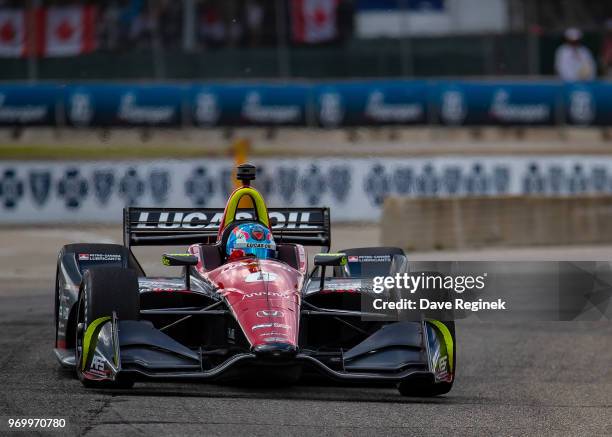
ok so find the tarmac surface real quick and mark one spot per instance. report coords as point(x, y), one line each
point(547, 378)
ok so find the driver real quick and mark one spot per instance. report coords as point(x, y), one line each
point(250, 239)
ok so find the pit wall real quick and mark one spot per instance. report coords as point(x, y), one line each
point(459, 223)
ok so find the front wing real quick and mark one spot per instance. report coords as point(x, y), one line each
point(399, 351)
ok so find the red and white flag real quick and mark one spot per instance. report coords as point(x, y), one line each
point(12, 33)
point(314, 21)
point(69, 31)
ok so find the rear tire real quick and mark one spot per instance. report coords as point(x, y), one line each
point(105, 290)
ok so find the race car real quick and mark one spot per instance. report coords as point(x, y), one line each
point(245, 306)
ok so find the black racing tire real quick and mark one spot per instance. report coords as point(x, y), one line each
point(105, 290)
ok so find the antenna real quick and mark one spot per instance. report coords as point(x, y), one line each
point(246, 173)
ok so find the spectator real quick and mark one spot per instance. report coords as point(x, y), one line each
point(573, 61)
point(606, 51)
point(254, 16)
point(212, 26)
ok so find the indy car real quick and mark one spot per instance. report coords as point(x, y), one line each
point(243, 306)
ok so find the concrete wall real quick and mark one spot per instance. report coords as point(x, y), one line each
point(449, 223)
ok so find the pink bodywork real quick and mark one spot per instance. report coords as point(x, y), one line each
point(263, 295)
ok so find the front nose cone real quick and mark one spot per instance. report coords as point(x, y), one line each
point(275, 350)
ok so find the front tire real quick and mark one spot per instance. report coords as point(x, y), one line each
point(105, 290)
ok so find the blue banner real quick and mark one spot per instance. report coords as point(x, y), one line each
point(123, 105)
point(588, 104)
point(249, 105)
point(371, 104)
point(328, 105)
point(28, 105)
point(496, 104)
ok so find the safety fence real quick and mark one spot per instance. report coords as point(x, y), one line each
point(355, 189)
point(325, 104)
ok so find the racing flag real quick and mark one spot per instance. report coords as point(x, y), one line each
point(314, 21)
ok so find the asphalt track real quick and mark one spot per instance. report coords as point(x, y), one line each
point(513, 379)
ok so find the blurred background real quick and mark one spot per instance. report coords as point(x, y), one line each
point(457, 124)
point(245, 39)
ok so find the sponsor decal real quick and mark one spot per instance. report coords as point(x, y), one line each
point(199, 187)
point(131, 187)
point(261, 277)
point(269, 313)
point(314, 185)
point(40, 186)
point(331, 109)
point(73, 187)
point(442, 369)
point(21, 114)
point(353, 259)
point(254, 110)
point(454, 109)
point(379, 110)
point(270, 325)
point(377, 184)
point(503, 110)
point(98, 366)
point(274, 339)
point(103, 182)
point(159, 180)
point(105, 257)
point(278, 294)
point(373, 258)
point(200, 220)
point(11, 189)
point(207, 110)
point(131, 112)
point(582, 109)
point(81, 109)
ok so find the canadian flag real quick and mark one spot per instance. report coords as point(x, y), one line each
point(314, 21)
point(12, 32)
point(69, 30)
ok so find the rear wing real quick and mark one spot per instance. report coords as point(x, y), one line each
point(177, 226)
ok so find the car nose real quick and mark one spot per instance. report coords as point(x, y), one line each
point(275, 350)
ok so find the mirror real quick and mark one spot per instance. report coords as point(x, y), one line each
point(330, 259)
point(179, 259)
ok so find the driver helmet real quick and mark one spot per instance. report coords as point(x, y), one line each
point(251, 239)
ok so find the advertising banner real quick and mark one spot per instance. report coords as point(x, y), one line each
point(505, 104)
point(371, 104)
point(249, 105)
point(123, 105)
point(354, 189)
point(28, 105)
point(328, 105)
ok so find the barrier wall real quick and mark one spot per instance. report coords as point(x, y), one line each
point(329, 104)
point(47, 192)
point(457, 223)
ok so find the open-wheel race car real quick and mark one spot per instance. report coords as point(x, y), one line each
point(245, 306)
